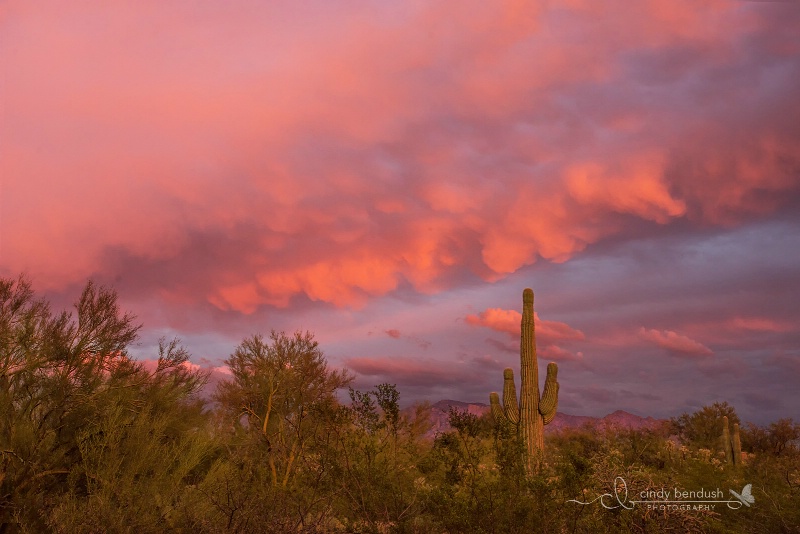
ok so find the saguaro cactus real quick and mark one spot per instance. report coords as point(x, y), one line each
point(731, 445)
point(736, 443)
point(726, 440)
point(532, 413)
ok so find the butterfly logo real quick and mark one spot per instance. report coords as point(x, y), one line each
point(746, 497)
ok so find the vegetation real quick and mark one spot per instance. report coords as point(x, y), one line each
point(93, 441)
point(532, 413)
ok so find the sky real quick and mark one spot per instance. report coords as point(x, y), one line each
point(391, 175)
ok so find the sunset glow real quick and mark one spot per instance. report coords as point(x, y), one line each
point(391, 175)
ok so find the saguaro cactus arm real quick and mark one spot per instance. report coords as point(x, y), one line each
point(497, 410)
point(549, 402)
point(510, 406)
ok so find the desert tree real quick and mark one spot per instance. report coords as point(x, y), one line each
point(704, 427)
point(144, 449)
point(381, 483)
point(86, 433)
point(281, 413)
point(54, 369)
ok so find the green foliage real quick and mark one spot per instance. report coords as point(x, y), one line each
point(387, 398)
point(703, 428)
point(92, 441)
point(282, 416)
point(469, 424)
point(364, 412)
point(381, 481)
point(780, 437)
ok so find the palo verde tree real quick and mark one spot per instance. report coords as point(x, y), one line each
point(379, 450)
point(54, 369)
point(704, 427)
point(86, 433)
point(281, 407)
point(145, 444)
point(279, 389)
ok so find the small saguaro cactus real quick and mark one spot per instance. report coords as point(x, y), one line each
point(532, 413)
point(736, 443)
point(726, 440)
point(731, 446)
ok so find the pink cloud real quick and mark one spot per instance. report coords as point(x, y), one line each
point(394, 333)
point(675, 343)
point(508, 321)
point(151, 364)
point(556, 331)
point(252, 157)
point(214, 373)
point(760, 324)
point(636, 186)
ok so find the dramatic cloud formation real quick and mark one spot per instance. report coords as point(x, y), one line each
point(351, 167)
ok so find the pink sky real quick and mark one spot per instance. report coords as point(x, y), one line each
point(391, 175)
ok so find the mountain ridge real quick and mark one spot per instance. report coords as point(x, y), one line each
point(619, 419)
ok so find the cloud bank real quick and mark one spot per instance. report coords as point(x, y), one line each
point(249, 156)
point(395, 168)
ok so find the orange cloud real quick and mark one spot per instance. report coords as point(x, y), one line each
point(508, 321)
point(254, 156)
point(675, 343)
point(635, 186)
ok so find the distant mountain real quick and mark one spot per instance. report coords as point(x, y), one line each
point(440, 410)
point(619, 419)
